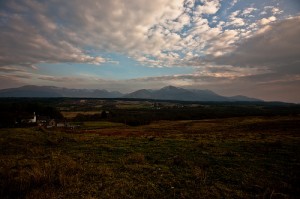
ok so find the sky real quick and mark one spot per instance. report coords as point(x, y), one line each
point(232, 47)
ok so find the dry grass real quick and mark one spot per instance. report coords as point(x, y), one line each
point(230, 158)
point(73, 114)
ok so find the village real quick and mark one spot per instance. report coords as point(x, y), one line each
point(46, 122)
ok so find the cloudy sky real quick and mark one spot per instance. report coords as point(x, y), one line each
point(248, 47)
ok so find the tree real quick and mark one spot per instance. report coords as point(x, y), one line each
point(103, 115)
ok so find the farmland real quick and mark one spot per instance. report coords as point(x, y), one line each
point(236, 157)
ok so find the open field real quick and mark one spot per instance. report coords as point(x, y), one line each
point(249, 157)
point(72, 114)
point(104, 125)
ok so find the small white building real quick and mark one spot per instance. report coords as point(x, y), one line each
point(33, 120)
point(29, 120)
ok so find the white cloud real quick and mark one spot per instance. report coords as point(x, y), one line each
point(248, 11)
point(156, 33)
point(265, 21)
point(223, 43)
point(276, 11)
point(208, 7)
point(55, 31)
point(233, 2)
point(272, 9)
point(184, 19)
point(25, 42)
point(234, 20)
point(190, 3)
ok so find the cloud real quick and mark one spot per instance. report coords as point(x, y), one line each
point(153, 33)
point(274, 10)
point(60, 79)
point(35, 32)
point(156, 33)
point(248, 11)
point(7, 69)
point(28, 36)
point(17, 77)
point(275, 49)
point(208, 7)
point(278, 44)
point(222, 43)
point(265, 21)
point(9, 82)
point(233, 2)
point(234, 20)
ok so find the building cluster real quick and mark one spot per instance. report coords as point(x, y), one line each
point(47, 122)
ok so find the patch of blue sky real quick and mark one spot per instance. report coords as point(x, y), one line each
point(120, 67)
point(290, 7)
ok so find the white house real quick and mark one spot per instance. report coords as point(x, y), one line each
point(29, 119)
point(33, 120)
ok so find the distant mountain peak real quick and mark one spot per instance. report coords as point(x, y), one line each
point(169, 87)
point(176, 93)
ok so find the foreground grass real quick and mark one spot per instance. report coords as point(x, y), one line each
point(101, 125)
point(230, 158)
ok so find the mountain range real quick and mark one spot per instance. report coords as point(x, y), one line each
point(52, 91)
point(165, 93)
point(181, 94)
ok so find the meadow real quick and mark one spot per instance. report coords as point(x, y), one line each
point(243, 157)
point(70, 115)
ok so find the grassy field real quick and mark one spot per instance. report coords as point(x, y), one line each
point(250, 157)
point(93, 125)
point(134, 105)
point(72, 114)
